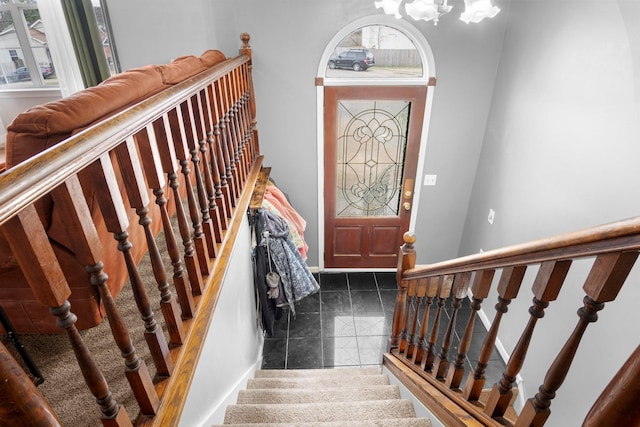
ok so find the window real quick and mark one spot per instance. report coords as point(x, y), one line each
point(25, 59)
point(380, 50)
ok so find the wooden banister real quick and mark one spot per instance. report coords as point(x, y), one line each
point(613, 250)
point(190, 150)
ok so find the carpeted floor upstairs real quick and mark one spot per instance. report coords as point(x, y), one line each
point(353, 397)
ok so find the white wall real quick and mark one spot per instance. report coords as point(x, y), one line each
point(233, 348)
point(561, 153)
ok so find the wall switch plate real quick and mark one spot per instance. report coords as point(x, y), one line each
point(491, 216)
point(430, 179)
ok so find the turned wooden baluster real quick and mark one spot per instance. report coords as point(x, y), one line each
point(508, 288)
point(227, 84)
point(546, 288)
point(444, 290)
point(244, 114)
point(248, 70)
point(480, 289)
point(221, 150)
point(406, 261)
point(228, 134)
point(618, 403)
point(226, 144)
point(88, 251)
point(607, 275)
point(168, 148)
point(165, 144)
point(203, 201)
point(460, 287)
point(149, 140)
point(404, 336)
point(416, 292)
point(217, 163)
point(182, 153)
point(207, 163)
point(30, 245)
point(115, 217)
point(238, 112)
point(131, 171)
point(430, 292)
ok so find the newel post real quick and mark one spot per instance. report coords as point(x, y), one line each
point(406, 261)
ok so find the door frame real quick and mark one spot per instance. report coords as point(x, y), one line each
point(427, 79)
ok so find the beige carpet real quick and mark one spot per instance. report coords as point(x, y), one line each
point(322, 397)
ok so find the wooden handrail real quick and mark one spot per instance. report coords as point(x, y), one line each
point(29, 181)
point(612, 237)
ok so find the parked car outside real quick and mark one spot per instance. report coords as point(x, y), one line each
point(22, 73)
point(355, 59)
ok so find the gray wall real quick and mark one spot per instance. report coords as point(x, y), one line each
point(288, 38)
point(561, 153)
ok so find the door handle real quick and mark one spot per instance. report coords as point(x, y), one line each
point(406, 206)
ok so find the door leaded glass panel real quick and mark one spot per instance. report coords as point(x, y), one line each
point(371, 146)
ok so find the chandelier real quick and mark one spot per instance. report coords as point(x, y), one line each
point(432, 10)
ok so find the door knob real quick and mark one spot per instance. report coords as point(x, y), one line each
point(406, 206)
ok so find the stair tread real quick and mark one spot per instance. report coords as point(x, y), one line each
point(279, 373)
point(395, 422)
point(329, 381)
point(319, 412)
point(337, 394)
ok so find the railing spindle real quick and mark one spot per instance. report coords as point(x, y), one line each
point(85, 240)
point(203, 200)
point(480, 289)
point(607, 275)
point(546, 288)
point(207, 163)
point(508, 288)
point(132, 175)
point(115, 216)
point(460, 287)
point(162, 156)
point(30, 245)
point(216, 169)
point(416, 292)
point(182, 152)
point(444, 290)
point(430, 292)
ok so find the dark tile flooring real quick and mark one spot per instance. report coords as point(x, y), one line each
point(348, 323)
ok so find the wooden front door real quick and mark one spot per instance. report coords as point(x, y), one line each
point(372, 141)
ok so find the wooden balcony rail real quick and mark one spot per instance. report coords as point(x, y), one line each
point(193, 151)
point(423, 290)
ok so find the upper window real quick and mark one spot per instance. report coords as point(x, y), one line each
point(375, 51)
point(25, 59)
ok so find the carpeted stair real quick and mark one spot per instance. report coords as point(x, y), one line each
point(354, 397)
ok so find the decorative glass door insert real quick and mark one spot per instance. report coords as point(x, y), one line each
point(370, 153)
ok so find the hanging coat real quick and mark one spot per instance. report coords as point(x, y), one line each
point(296, 279)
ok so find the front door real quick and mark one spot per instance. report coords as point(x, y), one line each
point(372, 141)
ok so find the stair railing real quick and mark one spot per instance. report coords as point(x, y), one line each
point(423, 290)
point(196, 140)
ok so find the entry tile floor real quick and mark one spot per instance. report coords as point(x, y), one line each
point(348, 323)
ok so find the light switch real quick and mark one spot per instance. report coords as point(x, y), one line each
point(430, 179)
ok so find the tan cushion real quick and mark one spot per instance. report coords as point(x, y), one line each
point(45, 125)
